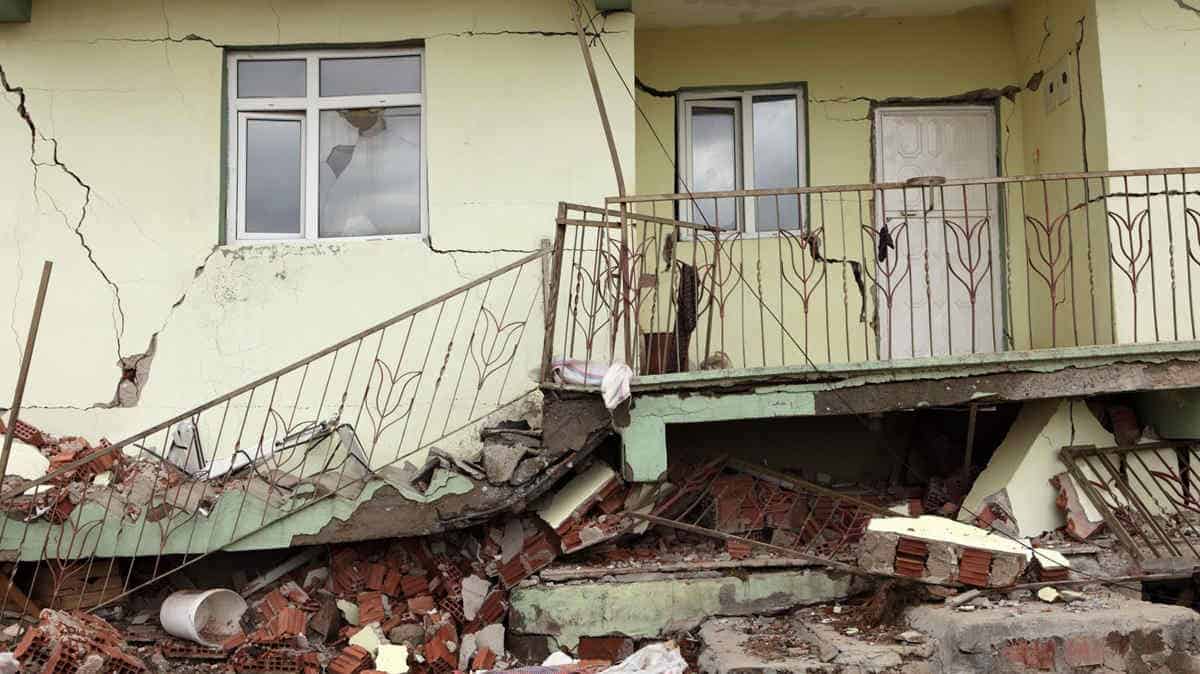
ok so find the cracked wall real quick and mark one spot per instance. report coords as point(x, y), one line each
point(122, 188)
point(1147, 65)
point(848, 66)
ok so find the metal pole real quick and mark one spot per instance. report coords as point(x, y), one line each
point(23, 375)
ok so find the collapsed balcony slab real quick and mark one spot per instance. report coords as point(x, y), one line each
point(660, 605)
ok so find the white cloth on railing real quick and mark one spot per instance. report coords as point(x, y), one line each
point(615, 385)
point(579, 372)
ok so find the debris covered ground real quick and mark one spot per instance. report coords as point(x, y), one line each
point(724, 566)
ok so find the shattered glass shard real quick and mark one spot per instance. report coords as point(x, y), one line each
point(339, 158)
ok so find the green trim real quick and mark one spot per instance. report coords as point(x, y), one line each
point(644, 440)
point(16, 11)
point(614, 5)
point(223, 194)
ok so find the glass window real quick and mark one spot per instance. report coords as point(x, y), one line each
point(274, 176)
point(370, 172)
point(365, 76)
point(776, 161)
point(342, 159)
point(726, 152)
point(715, 161)
point(267, 79)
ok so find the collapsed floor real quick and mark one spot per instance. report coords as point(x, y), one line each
point(741, 567)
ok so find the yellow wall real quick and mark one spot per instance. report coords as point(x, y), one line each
point(846, 65)
point(512, 129)
point(1049, 34)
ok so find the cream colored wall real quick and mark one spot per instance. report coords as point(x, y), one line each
point(1049, 33)
point(1148, 56)
point(847, 65)
point(135, 108)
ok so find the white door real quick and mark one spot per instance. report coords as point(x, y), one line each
point(938, 287)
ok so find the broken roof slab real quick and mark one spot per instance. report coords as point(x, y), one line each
point(378, 508)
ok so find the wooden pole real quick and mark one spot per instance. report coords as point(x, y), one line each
point(626, 304)
point(26, 359)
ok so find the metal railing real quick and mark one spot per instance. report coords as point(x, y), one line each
point(314, 431)
point(877, 272)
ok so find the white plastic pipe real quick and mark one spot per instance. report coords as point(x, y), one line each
point(208, 617)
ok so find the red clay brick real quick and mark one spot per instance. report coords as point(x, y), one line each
point(737, 549)
point(612, 649)
point(1083, 651)
point(413, 586)
point(484, 659)
point(370, 608)
point(421, 605)
point(1038, 654)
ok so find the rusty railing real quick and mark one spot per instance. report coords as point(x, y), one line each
point(878, 272)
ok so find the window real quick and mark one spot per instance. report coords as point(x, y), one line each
point(326, 144)
point(735, 140)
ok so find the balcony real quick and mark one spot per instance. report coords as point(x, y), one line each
point(895, 277)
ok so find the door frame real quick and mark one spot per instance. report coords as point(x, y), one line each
point(999, 258)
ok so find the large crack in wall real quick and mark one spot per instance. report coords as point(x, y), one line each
point(134, 368)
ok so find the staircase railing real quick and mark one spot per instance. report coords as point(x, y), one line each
point(307, 435)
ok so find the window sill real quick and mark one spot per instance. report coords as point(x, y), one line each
point(243, 243)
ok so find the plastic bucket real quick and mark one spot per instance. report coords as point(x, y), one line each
point(208, 617)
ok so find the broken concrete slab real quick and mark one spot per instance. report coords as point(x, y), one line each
point(1020, 469)
point(499, 462)
point(573, 499)
point(941, 550)
point(1111, 632)
point(26, 462)
point(662, 605)
point(739, 646)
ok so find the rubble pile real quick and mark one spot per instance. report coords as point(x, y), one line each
point(75, 642)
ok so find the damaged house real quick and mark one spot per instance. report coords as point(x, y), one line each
point(598, 335)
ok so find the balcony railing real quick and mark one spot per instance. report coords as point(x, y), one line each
point(926, 268)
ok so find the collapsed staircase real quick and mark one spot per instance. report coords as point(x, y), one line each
point(281, 457)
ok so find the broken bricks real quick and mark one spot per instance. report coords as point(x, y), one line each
point(75, 642)
point(940, 550)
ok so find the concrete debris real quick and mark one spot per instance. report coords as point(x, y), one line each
point(940, 550)
point(500, 462)
point(1019, 471)
point(75, 642)
point(963, 598)
point(1083, 519)
point(527, 469)
point(912, 637)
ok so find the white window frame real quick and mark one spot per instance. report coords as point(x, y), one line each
point(308, 108)
point(744, 147)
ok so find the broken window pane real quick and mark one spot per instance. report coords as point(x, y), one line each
point(274, 176)
point(375, 75)
point(776, 160)
point(278, 79)
point(714, 162)
point(370, 172)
